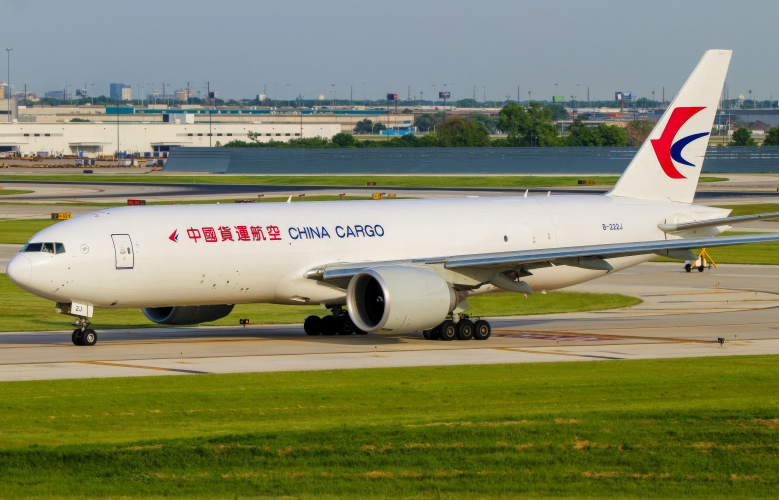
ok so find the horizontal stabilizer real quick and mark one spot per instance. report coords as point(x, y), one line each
point(725, 221)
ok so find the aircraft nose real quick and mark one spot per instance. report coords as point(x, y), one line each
point(19, 270)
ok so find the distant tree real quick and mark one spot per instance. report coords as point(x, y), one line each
point(363, 127)
point(378, 127)
point(79, 120)
point(637, 131)
point(489, 122)
point(467, 103)
point(252, 136)
point(342, 140)
point(531, 126)
point(580, 135)
point(772, 137)
point(612, 135)
point(456, 132)
point(407, 111)
point(743, 137)
point(558, 112)
point(424, 122)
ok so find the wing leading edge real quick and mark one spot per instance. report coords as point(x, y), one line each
point(590, 257)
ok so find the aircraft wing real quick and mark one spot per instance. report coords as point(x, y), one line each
point(725, 221)
point(602, 251)
point(588, 257)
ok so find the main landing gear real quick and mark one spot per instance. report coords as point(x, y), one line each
point(463, 329)
point(83, 335)
point(339, 323)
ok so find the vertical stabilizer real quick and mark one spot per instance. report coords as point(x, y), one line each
point(668, 164)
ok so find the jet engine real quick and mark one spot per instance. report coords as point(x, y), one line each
point(187, 315)
point(398, 299)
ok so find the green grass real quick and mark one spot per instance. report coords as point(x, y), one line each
point(759, 208)
point(186, 201)
point(506, 181)
point(672, 428)
point(23, 311)
point(20, 231)
point(528, 181)
point(8, 192)
point(749, 253)
point(515, 304)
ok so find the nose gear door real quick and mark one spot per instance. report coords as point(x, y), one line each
point(123, 248)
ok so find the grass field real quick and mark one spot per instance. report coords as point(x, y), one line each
point(507, 181)
point(749, 253)
point(187, 201)
point(9, 192)
point(23, 311)
point(676, 428)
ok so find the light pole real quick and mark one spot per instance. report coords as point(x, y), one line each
point(8, 50)
point(117, 126)
point(577, 95)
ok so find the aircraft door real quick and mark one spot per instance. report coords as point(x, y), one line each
point(123, 248)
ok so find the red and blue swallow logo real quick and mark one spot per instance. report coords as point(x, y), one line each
point(174, 237)
point(668, 151)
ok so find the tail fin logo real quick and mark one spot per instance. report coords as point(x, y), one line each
point(666, 150)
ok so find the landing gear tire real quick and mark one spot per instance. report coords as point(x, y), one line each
point(431, 334)
point(75, 336)
point(311, 325)
point(327, 326)
point(88, 337)
point(447, 330)
point(344, 325)
point(700, 269)
point(688, 267)
point(481, 330)
point(464, 329)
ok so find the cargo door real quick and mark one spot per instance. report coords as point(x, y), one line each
point(123, 248)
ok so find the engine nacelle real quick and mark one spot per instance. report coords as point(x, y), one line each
point(187, 315)
point(398, 299)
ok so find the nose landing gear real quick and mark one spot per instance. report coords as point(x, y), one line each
point(83, 335)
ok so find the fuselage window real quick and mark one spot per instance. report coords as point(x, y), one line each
point(60, 247)
point(48, 247)
point(33, 247)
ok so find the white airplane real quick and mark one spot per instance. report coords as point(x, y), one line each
point(397, 267)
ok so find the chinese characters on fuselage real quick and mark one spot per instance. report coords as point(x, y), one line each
point(241, 233)
point(273, 233)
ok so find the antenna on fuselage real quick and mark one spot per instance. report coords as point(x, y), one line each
point(526, 190)
point(289, 200)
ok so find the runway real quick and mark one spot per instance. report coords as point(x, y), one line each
point(683, 315)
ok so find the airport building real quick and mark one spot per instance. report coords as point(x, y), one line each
point(109, 136)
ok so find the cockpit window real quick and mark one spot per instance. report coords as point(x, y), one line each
point(44, 247)
point(33, 247)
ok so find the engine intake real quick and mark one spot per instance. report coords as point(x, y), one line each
point(398, 299)
point(187, 315)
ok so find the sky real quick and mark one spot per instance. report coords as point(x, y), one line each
point(314, 47)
